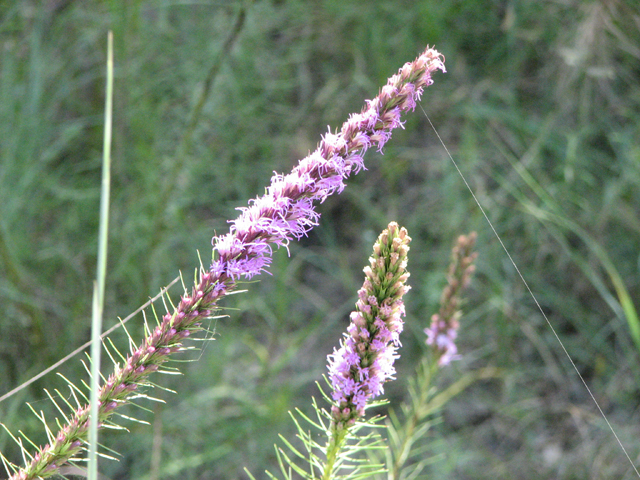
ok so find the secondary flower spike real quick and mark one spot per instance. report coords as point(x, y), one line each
point(286, 211)
point(444, 324)
point(364, 361)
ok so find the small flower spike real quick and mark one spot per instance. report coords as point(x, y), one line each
point(364, 361)
point(444, 324)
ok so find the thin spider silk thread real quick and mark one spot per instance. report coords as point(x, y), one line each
point(531, 293)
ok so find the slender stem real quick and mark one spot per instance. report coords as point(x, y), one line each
point(335, 444)
point(98, 294)
point(419, 411)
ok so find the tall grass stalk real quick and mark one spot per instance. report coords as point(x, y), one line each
point(98, 296)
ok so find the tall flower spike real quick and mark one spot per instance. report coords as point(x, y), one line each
point(364, 361)
point(444, 324)
point(286, 212)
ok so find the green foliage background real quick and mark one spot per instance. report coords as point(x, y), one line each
point(540, 107)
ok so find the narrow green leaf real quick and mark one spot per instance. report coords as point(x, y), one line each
point(98, 295)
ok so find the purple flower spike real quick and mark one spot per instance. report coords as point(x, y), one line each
point(444, 324)
point(364, 361)
point(287, 212)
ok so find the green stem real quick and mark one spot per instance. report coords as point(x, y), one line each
point(98, 292)
point(424, 404)
point(338, 436)
point(420, 409)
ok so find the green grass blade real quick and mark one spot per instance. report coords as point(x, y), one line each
point(98, 296)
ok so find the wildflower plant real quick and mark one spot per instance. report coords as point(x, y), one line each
point(364, 362)
point(357, 370)
point(286, 212)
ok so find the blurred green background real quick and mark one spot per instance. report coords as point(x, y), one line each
point(540, 107)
